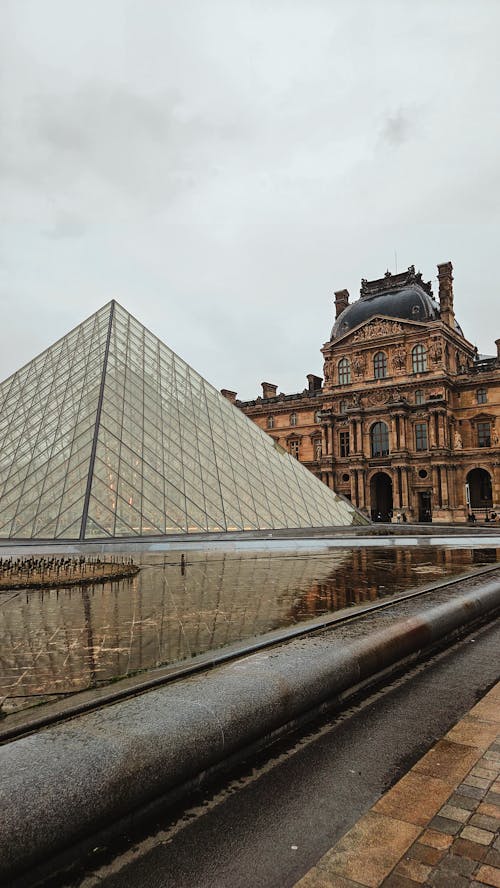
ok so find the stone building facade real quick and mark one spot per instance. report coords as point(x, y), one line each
point(406, 421)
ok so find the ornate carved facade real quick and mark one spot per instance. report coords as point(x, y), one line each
point(406, 421)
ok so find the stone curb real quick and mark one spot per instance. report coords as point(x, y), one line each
point(67, 782)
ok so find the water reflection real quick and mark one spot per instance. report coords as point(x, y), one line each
point(64, 640)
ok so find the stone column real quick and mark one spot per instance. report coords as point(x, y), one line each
point(354, 478)
point(442, 430)
point(444, 487)
point(437, 488)
point(361, 488)
point(404, 484)
point(402, 432)
point(394, 435)
point(396, 492)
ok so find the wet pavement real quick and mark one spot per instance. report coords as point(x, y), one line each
point(57, 642)
point(438, 826)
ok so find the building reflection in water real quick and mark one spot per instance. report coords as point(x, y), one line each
point(62, 641)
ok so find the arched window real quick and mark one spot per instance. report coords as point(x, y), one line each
point(379, 436)
point(380, 365)
point(481, 396)
point(270, 422)
point(344, 372)
point(419, 359)
point(293, 419)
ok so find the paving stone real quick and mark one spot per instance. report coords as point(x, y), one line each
point(456, 866)
point(471, 792)
point(496, 786)
point(455, 813)
point(489, 810)
point(415, 798)
point(447, 761)
point(486, 773)
point(491, 756)
point(492, 857)
point(397, 881)
point(473, 732)
point(482, 836)
point(313, 879)
point(496, 844)
point(426, 854)
point(492, 797)
point(462, 801)
point(436, 839)
point(370, 850)
point(477, 781)
point(446, 880)
point(484, 822)
point(466, 848)
point(443, 824)
point(490, 875)
point(413, 869)
point(486, 710)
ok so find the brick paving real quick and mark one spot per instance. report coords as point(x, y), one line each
point(438, 827)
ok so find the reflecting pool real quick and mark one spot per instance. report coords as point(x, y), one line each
point(60, 641)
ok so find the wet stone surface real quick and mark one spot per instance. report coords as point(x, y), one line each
point(55, 642)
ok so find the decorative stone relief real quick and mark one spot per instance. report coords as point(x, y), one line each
point(359, 363)
point(377, 329)
point(376, 398)
point(399, 359)
point(436, 351)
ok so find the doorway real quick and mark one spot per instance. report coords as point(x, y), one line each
point(381, 497)
point(424, 507)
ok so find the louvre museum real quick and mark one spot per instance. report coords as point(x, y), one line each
point(405, 421)
point(109, 434)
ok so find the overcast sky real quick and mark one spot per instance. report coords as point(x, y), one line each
point(220, 168)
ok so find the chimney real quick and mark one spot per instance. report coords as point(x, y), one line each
point(341, 301)
point(445, 278)
point(231, 396)
point(269, 390)
point(314, 382)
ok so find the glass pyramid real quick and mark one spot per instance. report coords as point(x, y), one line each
point(109, 434)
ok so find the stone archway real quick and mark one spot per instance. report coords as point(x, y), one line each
point(381, 497)
point(480, 489)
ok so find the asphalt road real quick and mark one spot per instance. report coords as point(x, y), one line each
point(274, 820)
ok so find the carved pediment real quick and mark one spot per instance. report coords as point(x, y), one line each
point(378, 328)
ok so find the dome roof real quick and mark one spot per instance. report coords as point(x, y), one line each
point(402, 296)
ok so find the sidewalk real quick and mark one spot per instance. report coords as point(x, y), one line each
point(439, 826)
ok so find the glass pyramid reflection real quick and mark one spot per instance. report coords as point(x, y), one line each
point(109, 434)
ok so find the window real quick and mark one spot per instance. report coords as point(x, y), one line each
point(481, 396)
point(419, 397)
point(270, 422)
point(293, 419)
point(380, 365)
point(421, 436)
point(344, 443)
point(379, 435)
point(419, 359)
point(318, 449)
point(484, 434)
point(294, 448)
point(344, 372)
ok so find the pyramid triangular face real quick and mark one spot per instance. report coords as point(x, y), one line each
point(109, 434)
